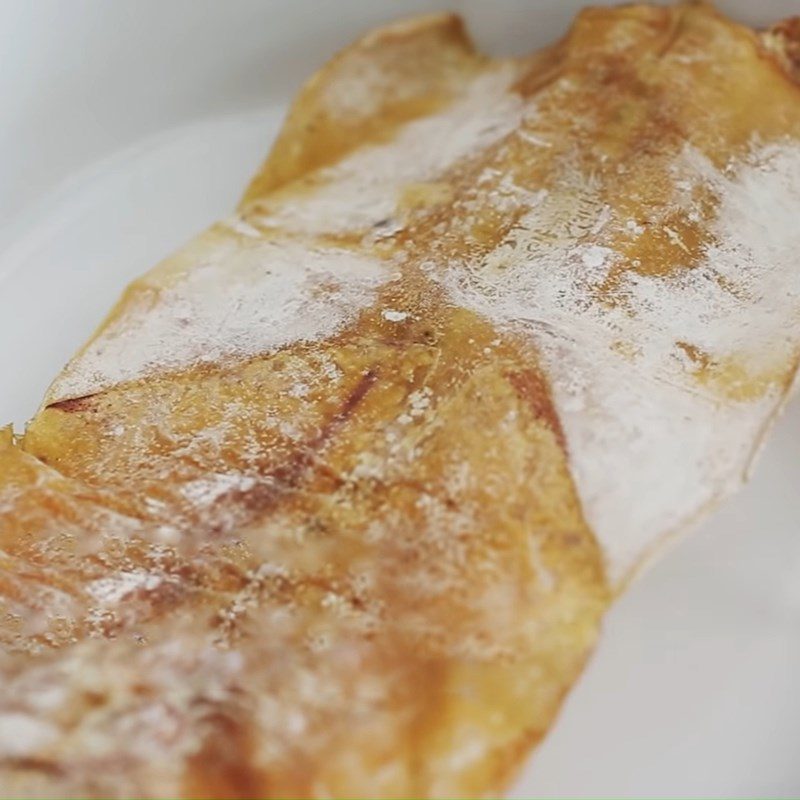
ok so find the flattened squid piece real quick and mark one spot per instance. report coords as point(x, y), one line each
point(332, 503)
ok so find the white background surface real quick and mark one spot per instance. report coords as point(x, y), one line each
point(125, 127)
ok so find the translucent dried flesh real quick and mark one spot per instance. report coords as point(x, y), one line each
point(352, 560)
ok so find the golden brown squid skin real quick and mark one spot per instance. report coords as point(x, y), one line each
point(352, 565)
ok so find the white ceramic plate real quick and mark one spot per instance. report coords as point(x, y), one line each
point(161, 111)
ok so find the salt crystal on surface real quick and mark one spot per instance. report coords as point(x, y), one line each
point(391, 315)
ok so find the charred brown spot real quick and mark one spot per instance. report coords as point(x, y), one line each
point(532, 389)
point(94, 699)
point(289, 475)
point(702, 359)
point(42, 765)
point(224, 765)
point(352, 401)
point(72, 405)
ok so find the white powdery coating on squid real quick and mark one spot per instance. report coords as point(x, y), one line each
point(110, 590)
point(362, 189)
point(651, 447)
point(243, 297)
point(22, 733)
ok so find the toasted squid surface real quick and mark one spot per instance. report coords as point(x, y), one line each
point(332, 503)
